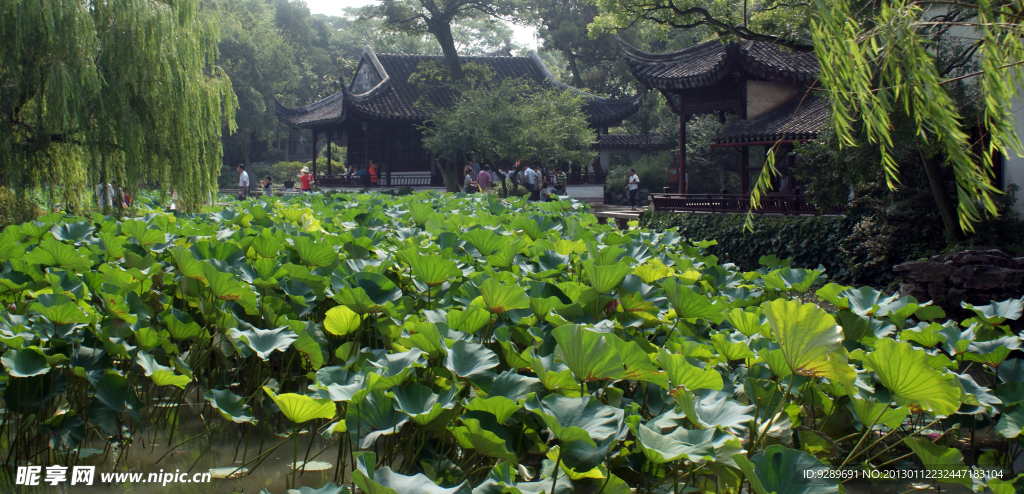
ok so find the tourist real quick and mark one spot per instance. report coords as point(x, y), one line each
point(484, 178)
point(119, 196)
point(475, 164)
point(306, 179)
point(350, 177)
point(528, 179)
point(268, 186)
point(560, 181)
point(546, 190)
point(243, 183)
point(361, 177)
point(633, 185)
point(373, 173)
point(468, 183)
point(104, 194)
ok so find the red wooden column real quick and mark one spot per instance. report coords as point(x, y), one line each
point(682, 154)
point(329, 140)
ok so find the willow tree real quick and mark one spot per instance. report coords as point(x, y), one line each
point(107, 90)
point(910, 57)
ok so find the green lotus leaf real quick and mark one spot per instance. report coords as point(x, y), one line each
point(161, 375)
point(991, 352)
point(470, 320)
point(231, 406)
point(872, 412)
point(266, 341)
point(72, 233)
point(300, 408)
point(328, 488)
point(187, 264)
point(375, 288)
point(426, 337)
point(810, 341)
point(421, 404)
point(652, 271)
point(926, 335)
point(502, 479)
point(690, 304)
point(748, 322)
point(905, 372)
point(266, 246)
point(550, 260)
point(341, 320)
point(714, 410)
point(385, 481)
point(481, 433)
point(505, 256)
point(604, 278)
point(432, 270)
point(730, 347)
point(470, 360)
point(26, 362)
point(59, 309)
point(694, 445)
point(798, 280)
point(1011, 423)
point(577, 419)
point(865, 301)
point(10, 249)
point(997, 313)
point(781, 470)
point(1010, 371)
point(831, 293)
point(113, 396)
point(936, 457)
point(554, 375)
point(313, 253)
point(682, 373)
point(374, 417)
point(484, 241)
point(501, 407)
point(513, 386)
point(587, 354)
point(499, 298)
point(339, 383)
point(144, 234)
point(53, 252)
point(224, 286)
point(181, 325)
point(637, 363)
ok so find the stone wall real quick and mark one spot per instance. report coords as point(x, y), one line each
point(973, 276)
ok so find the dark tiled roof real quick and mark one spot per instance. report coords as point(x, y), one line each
point(324, 112)
point(709, 62)
point(800, 118)
point(394, 98)
point(630, 141)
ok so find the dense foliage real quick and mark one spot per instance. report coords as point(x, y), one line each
point(109, 91)
point(458, 344)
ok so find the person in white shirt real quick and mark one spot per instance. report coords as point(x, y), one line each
point(104, 194)
point(633, 185)
point(243, 183)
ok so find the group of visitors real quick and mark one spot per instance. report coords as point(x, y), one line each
point(540, 182)
point(110, 194)
point(362, 174)
point(244, 185)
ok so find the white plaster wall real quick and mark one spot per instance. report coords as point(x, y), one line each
point(592, 194)
point(765, 96)
point(1013, 165)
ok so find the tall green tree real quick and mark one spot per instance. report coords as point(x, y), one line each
point(111, 90)
point(514, 120)
point(437, 17)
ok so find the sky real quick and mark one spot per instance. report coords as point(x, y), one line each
point(526, 36)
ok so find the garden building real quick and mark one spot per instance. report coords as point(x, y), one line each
point(769, 89)
point(376, 116)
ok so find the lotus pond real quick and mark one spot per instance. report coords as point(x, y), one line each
point(440, 343)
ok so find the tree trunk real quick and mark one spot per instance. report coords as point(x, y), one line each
point(577, 80)
point(442, 30)
point(449, 173)
point(933, 168)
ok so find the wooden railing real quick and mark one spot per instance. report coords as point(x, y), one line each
point(405, 179)
point(588, 178)
point(736, 203)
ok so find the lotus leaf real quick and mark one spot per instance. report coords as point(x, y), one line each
point(300, 408)
point(905, 372)
point(231, 406)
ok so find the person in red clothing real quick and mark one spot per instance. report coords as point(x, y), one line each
point(373, 173)
point(307, 181)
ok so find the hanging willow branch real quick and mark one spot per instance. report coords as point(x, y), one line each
point(107, 90)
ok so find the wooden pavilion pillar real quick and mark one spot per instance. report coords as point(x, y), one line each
point(329, 153)
point(682, 154)
point(315, 136)
point(744, 172)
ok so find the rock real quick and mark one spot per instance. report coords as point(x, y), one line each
point(917, 290)
point(985, 278)
point(937, 292)
point(924, 272)
point(990, 257)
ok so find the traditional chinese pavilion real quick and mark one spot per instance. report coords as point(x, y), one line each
point(376, 116)
point(771, 90)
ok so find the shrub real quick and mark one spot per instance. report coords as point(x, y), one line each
point(652, 170)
